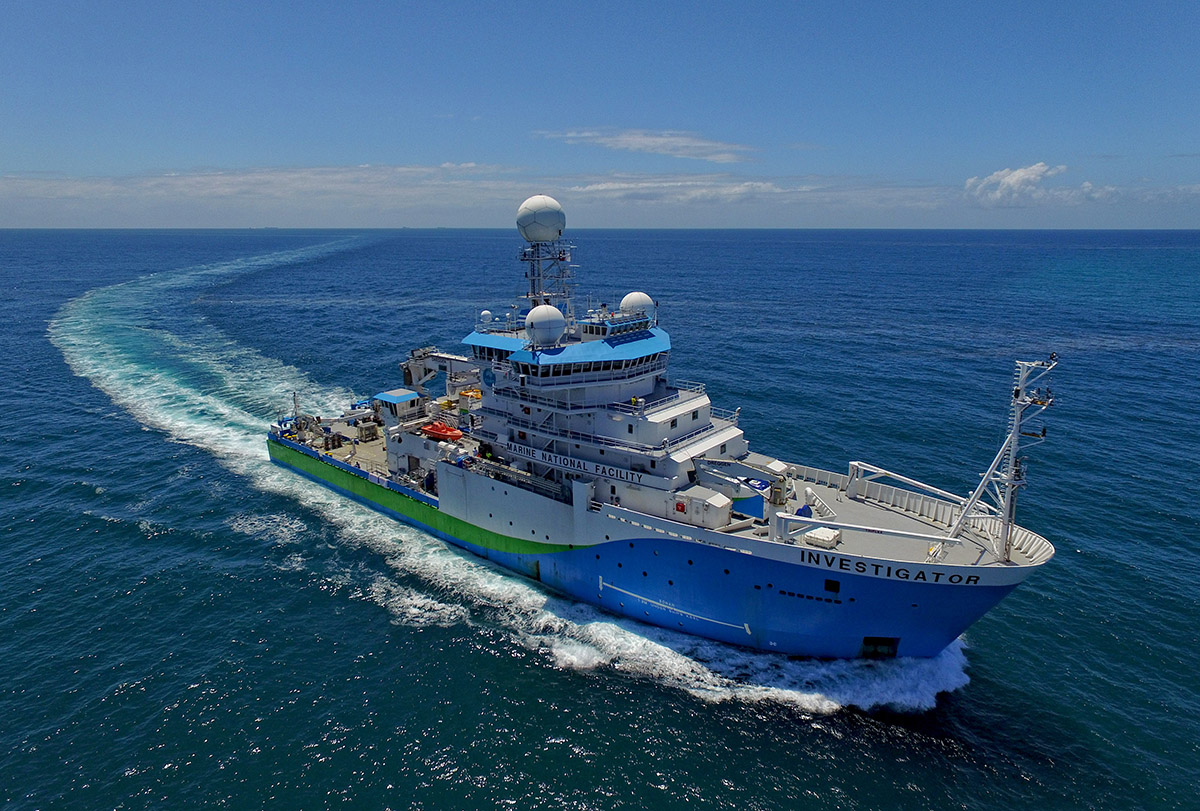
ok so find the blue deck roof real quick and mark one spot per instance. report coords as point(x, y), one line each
point(622, 347)
point(395, 396)
point(506, 343)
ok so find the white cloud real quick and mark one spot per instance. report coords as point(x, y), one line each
point(1025, 186)
point(1012, 186)
point(672, 143)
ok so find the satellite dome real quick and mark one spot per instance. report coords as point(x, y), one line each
point(541, 219)
point(545, 324)
point(485, 316)
point(637, 301)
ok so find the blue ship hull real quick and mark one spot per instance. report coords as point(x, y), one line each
point(704, 590)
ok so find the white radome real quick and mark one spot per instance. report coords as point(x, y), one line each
point(485, 316)
point(541, 219)
point(545, 324)
point(637, 300)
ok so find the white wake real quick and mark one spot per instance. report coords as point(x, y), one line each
point(104, 335)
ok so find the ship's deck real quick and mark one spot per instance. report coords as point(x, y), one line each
point(888, 531)
point(894, 523)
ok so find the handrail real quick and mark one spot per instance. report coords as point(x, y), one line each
point(606, 376)
point(522, 479)
point(814, 522)
point(868, 473)
point(650, 406)
point(597, 439)
point(725, 414)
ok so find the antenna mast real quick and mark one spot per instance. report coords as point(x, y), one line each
point(551, 275)
point(1006, 474)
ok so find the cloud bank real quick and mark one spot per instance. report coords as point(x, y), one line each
point(672, 143)
point(474, 194)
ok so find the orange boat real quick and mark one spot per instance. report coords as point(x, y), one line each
point(441, 431)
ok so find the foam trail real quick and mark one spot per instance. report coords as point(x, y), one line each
point(143, 344)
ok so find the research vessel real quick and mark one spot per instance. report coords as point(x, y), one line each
point(556, 445)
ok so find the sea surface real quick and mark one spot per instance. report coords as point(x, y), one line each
point(183, 624)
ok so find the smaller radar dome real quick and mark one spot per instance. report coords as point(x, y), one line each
point(545, 324)
point(637, 301)
point(541, 219)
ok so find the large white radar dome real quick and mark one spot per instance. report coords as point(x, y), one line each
point(545, 324)
point(637, 300)
point(541, 219)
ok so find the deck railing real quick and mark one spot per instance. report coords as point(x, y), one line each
point(937, 511)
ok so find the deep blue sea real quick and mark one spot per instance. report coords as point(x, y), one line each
point(183, 624)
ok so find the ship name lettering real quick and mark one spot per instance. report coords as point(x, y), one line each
point(883, 570)
point(571, 463)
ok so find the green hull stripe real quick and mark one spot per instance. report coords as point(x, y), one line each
point(404, 505)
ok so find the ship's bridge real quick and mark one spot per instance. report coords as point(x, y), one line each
point(618, 357)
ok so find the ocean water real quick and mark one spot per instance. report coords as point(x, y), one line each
point(183, 624)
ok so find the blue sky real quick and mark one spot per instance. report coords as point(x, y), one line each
point(794, 114)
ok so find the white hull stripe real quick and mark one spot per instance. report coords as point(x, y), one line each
point(673, 609)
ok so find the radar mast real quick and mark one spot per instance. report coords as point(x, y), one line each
point(550, 274)
point(1006, 475)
